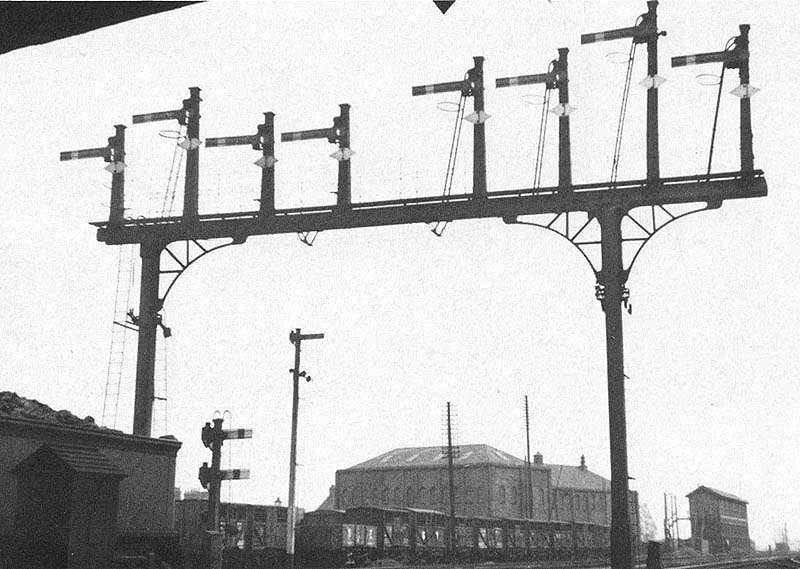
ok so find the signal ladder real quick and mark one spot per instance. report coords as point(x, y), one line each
point(120, 332)
point(160, 388)
point(123, 327)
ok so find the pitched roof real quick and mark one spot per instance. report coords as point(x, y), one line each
point(78, 458)
point(16, 407)
point(330, 500)
point(720, 493)
point(433, 456)
point(565, 476)
point(562, 476)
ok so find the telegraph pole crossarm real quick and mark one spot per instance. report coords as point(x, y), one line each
point(296, 338)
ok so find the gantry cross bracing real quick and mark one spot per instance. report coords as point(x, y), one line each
point(608, 203)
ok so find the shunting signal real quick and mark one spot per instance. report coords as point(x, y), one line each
point(338, 133)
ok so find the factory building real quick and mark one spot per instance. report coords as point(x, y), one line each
point(74, 494)
point(719, 521)
point(487, 482)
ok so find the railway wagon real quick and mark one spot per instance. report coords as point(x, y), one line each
point(252, 533)
point(318, 539)
point(485, 539)
point(363, 535)
point(429, 531)
point(393, 531)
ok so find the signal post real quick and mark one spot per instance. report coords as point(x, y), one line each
point(212, 476)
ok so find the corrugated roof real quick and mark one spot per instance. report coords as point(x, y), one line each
point(16, 407)
point(79, 459)
point(719, 493)
point(433, 456)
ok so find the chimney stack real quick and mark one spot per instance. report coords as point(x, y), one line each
point(537, 458)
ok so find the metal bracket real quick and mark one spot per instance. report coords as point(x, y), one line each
point(657, 217)
point(184, 254)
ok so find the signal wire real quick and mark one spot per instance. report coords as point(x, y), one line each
point(438, 227)
point(716, 110)
point(172, 178)
point(537, 171)
point(622, 112)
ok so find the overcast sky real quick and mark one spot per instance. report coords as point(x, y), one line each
point(483, 315)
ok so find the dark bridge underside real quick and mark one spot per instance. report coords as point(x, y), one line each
point(712, 189)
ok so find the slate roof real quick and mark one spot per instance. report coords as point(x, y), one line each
point(719, 493)
point(565, 476)
point(15, 407)
point(433, 456)
point(78, 458)
point(562, 476)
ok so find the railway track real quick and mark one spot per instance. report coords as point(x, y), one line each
point(782, 562)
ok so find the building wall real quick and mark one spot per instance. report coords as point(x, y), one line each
point(721, 521)
point(415, 488)
point(146, 500)
point(480, 490)
point(576, 505)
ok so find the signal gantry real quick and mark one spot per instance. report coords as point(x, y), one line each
point(605, 204)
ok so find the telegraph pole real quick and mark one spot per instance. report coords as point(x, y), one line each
point(528, 461)
point(295, 338)
point(451, 526)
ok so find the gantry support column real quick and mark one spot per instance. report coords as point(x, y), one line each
point(612, 279)
point(149, 306)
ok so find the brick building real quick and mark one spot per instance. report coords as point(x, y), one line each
point(73, 494)
point(719, 519)
point(488, 483)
